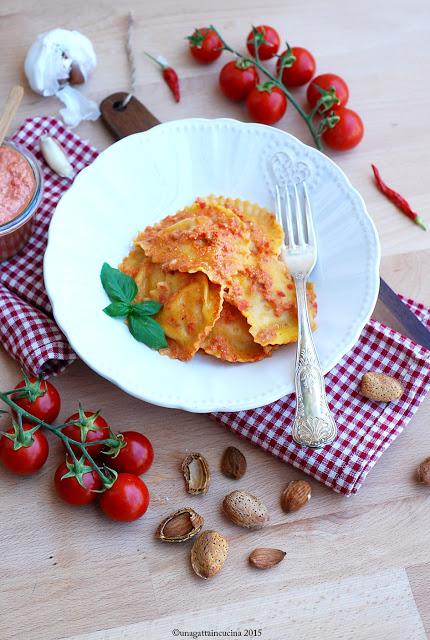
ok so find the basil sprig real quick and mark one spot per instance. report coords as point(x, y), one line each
point(122, 290)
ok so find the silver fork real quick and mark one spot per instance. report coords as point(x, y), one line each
point(314, 425)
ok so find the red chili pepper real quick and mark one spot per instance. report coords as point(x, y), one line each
point(169, 74)
point(398, 200)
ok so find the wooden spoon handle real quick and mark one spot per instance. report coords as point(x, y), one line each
point(11, 106)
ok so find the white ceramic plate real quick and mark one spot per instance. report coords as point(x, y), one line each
point(147, 176)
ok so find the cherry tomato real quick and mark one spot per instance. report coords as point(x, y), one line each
point(42, 400)
point(236, 79)
point(326, 81)
point(137, 455)
point(27, 459)
point(205, 45)
point(269, 42)
point(347, 133)
point(127, 499)
point(92, 427)
point(266, 104)
point(71, 491)
point(302, 69)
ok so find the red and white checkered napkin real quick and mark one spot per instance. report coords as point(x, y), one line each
point(366, 428)
point(27, 330)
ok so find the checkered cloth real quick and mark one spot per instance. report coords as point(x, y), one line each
point(27, 330)
point(366, 429)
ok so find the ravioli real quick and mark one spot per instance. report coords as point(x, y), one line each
point(231, 340)
point(215, 268)
point(203, 237)
point(191, 303)
point(265, 294)
point(132, 262)
point(189, 315)
point(266, 233)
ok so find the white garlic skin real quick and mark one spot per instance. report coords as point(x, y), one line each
point(50, 57)
point(55, 156)
point(48, 67)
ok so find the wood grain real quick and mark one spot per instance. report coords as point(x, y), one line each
point(355, 568)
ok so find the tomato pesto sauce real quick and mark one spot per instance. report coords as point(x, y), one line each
point(17, 184)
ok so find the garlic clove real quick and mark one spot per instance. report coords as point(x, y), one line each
point(55, 156)
point(76, 76)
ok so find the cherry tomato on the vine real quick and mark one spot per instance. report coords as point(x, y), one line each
point(42, 399)
point(326, 81)
point(301, 70)
point(236, 79)
point(266, 103)
point(127, 499)
point(30, 456)
point(205, 45)
point(347, 132)
point(92, 427)
point(70, 490)
point(135, 457)
point(268, 40)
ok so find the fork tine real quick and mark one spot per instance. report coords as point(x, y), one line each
point(299, 217)
point(308, 216)
point(278, 205)
point(289, 219)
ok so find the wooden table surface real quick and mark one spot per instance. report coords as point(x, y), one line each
point(355, 568)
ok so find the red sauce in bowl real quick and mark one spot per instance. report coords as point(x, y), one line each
point(17, 183)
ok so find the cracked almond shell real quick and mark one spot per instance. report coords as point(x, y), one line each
point(208, 554)
point(245, 510)
point(180, 526)
point(196, 472)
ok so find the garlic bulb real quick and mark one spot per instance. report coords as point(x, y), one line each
point(54, 60)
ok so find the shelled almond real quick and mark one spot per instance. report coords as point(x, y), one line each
point(266, 558)
point(296, 494)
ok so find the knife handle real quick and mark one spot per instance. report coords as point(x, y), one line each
point(124, 121)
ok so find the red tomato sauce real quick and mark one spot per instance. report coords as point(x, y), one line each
point(17, 184)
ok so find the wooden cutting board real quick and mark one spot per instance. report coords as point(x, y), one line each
point(135, 117)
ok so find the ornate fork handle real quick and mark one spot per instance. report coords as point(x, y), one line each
point(313, 425)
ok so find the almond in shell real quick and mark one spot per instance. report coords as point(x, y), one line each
point(266, 558)
point(180, 526)
point(196, 472)
point(296, 494)
point(233, 463)
point(208, 554)
point(380, 387)
point(245, 510)
point(423, 472)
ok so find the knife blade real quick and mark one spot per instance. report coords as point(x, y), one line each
point(394, 313)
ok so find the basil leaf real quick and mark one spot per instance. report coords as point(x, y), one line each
point(119, 286)
point(146, 308)
point(117, 309)
point(147, 330)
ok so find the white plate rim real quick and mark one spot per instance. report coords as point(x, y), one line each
point(199, 407)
